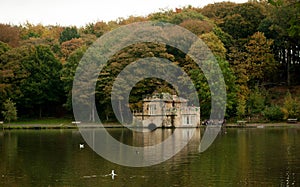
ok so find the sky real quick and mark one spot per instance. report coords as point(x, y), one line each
point(82, 12)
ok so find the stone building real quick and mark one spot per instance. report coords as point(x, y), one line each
point(165, 110)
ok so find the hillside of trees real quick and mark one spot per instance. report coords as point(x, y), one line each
point(257, 45)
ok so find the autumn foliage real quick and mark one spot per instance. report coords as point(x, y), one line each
point(256, 45)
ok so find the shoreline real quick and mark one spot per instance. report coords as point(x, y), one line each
point(263, 125)
point(115, 125)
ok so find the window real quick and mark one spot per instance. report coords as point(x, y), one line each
point(188, 119)
point(152, 109)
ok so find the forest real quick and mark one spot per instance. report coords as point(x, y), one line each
point(257, 46)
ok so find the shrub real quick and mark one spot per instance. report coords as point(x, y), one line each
point(291, 107)
point(273, 113)
point(10, 111)
point(256, 101)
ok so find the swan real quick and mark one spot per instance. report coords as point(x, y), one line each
point(81, 146)
point(113, 174)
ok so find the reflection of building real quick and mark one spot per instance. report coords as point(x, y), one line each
point(165, 110)
point(142, 139)
point(168, 142)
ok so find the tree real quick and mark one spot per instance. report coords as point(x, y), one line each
point(218, 11)
point(291, 107)
point(69, 46)
point(252, 63)
point(68, 34)
point(237, 57)
point(282, 25)
point(9, 111)
point(3, 73)
point(10, 34)
point(273, 113)
point(11, 73)
point(32, 31)
point(238, 20)
point(32, 78)
point(214, 44)
point(260, 59)
point(117, 63)
point(197, 27)
point(236, 26)
point(42, 86)
point(226, 39)
point(178, 16)
point(41, 35)
point(97, 29)
point(256, 101)
point(3, 47)
point(131, 19)
point(203, 89)
point(68, 73)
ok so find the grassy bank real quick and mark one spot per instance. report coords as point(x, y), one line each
point(53, 121)
point(49, 123)
point(263, 125)
point(67, 124)
point(44, 123)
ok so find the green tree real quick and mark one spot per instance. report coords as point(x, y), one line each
point(237, 57)
point(236, 26)
point(9, 111)
point(282, 25)
point(238, 20)
point(253, 63)
point(226, 39)
point(204, 93)
point(291, 107)
point(4, 47)
point(256, 101)
point(43, 86)
point(68, 33)
point(117, 63)
point(214, 44)
point(178, 16)
point(273, 113)
point(218, 11)
point(68, 73)
point(32, 78)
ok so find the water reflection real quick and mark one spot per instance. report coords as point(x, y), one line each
point(240, 157)
point(140, 148)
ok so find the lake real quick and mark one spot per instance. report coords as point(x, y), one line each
point(238, 157)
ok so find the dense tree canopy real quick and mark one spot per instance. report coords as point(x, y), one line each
point(256, 45)
point(32, 77)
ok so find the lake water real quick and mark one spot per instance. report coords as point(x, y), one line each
point(239, 157)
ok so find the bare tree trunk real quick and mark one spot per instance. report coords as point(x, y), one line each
point(40, 111)
point(288, 66)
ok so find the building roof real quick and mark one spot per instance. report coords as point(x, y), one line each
point(166, 97)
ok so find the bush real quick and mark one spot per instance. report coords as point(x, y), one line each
point(273, 113)
point(256, 101)
point(10, 111)
point(291, 107)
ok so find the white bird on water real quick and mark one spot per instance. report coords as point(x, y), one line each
point(81, 146)
point(113, 174)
